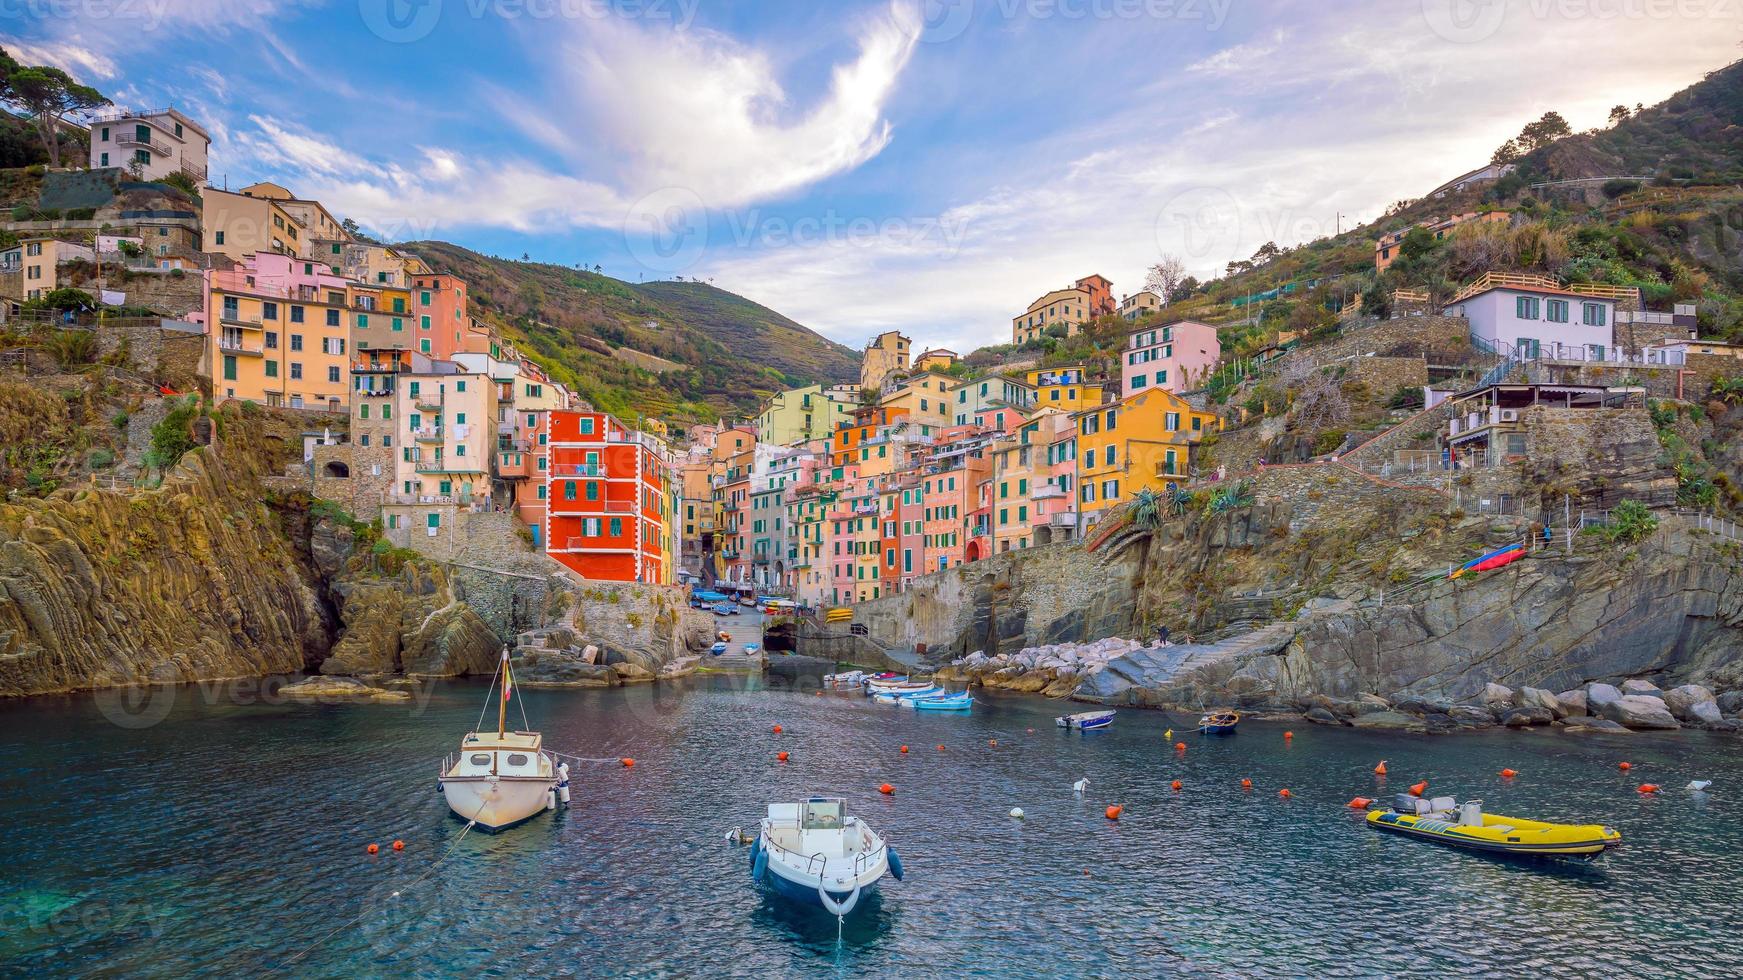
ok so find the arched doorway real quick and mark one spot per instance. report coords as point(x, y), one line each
point(974, 552)
point(337, 469)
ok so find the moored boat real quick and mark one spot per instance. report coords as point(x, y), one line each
point(948, 702)
point(1466, 825)
point(500, 778)
point(1085, 721)
point(903, 697)
point(1218, 723)
point(815, 854)
point(903, 686)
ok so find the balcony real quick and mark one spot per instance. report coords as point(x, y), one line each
point(385, 391)
point(1064, 519)
point(619, 506)
point(505, 392)
point(236, 345)
point(373, 363)
point(235, 319)
point(133, 139)
point(1047, 491)
point(453, 466)
point(1166, 468)
point(433, 434)
point(594, 470)
point(427, 402)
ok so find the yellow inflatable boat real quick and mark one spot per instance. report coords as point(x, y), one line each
point(1466, 825)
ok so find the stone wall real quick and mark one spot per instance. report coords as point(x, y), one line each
point(163, 291)
point(1385, 375)
point(1600, 454)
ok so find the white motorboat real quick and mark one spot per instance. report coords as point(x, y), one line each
point(813, 853)
point(1085, 721)
point(501, 778)
point(903, 686)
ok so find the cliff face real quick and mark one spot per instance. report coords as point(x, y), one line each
point(202, 579)
point(193, 580)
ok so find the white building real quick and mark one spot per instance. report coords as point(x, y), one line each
point(1531, 317)
point(152, 144)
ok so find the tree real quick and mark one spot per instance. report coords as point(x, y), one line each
point(1618, 115)
point(1418, 241)
point(1186, 287)
point(1165, 277)
point(1507, 153)
point(1266, 253)
point(48, 95)
point(1537, 135)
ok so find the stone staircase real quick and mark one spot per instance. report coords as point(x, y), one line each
point(1152, 668)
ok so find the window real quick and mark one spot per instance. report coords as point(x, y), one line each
point(296, 314)
point(1526, 307)
point(1556, 311)
point(587, 425)
point(296, 341)
point(617, 527)
point(592, 491)
point(332, 318)
point(363, 321)
point(569, 490)
point(272, 369)
point(1171, 422)
point(217, 237)
point(296, 371)
point(1139, 381)
point(1595, 315)
point(105, 138)
point(229, 367)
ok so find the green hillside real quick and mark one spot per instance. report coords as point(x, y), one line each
point(727, 353)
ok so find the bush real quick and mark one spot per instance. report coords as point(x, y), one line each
point(1630, 522)
point(1616, 188)
point(100, 459)
point(72, 347)
point(81, 214)
point(173, 437)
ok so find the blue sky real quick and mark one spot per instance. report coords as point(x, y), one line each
point(928, 165)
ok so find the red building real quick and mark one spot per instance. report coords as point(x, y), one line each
point(605, 500)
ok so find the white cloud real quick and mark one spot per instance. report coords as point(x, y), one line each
point(1240, 57)
point(75, 59)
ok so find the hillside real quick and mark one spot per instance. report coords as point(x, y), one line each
point(591, 331)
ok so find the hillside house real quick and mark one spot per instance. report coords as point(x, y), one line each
point(1531, 317)
point(1386, 249)
point(1489, 425)
point(1140, 304)
point(152, 144)
point(1177, 357)
point(1084, 300)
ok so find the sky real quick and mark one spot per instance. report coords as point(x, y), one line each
point(863, 165)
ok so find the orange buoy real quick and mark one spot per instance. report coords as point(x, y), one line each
point(373, 848)
point(1175, 785)
point(1623, 766)
point(628, 763)
point(904, 750)
point(1419, 788)
point(1380, 770)
point(777, 729)
point(1180, 746)
point(1246, 784)
point(399, 845)
point(1288, 735)
point(886, 789)
point(993, 742)
point(1360, 803)
point(941, 748)
point(781, 756)
point(1509, 773)
point(1115, 811)
point(1648, 787)
point(1285, 793)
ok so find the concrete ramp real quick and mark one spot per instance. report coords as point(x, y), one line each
point(1157, 667)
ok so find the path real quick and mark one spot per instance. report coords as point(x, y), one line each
point(1155, 667)
point(741, 628)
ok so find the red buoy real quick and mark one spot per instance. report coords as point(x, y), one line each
point(886, 789)
point(1419, 788)
point(941, 748)
point(781, 756)
point(1180, 746)
point(1115, 811)
point(1246, 784)
point(1285, 793)
point(628, 763)
point(1623, 766)
point(992, 742)
point(399, 845)
point(1360, 803)
point(1509, 773)
point(1288, 735)
point(904, 750)
point(1175, 785)
point(1380, 770)
point(373, 848)
point(1648, 787)
point(777, 729)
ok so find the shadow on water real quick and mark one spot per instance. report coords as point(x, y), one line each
point(815, 930)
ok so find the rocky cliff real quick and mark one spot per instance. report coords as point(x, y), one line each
point(211, 576)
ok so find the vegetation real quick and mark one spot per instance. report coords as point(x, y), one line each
point(1630, 523)
point(48, 96)
point(173, 437)
point(71, 348)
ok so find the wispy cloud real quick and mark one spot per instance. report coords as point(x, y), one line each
point(1241, 57)
point(73, 58)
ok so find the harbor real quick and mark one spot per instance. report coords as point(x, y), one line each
point(232, 835)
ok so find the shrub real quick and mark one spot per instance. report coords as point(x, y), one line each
point(120, 420)
point(1630, 522)
point(81, 214)
point(72, 347)
point(172, 437)
point(1616, 188)
point(100, 459)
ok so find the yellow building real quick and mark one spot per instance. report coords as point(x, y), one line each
point(802, 414)
point(238, 225)
point(316, 220)
point(1142, 442)
point(936, 360)
point(279, 330)
point(885, 355)
point(925, 396)
point(1064, 388)
point(37, 261)
point(369, 263)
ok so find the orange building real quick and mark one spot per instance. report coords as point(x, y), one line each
point(606, 500)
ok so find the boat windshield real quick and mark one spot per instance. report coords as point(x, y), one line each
point(821, 815)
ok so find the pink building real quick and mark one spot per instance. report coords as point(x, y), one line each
point(1178, 357)
point(1002, 419)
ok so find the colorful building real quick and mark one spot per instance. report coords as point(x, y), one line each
point(969, 398)
point(1065, 388)
point(1083, 301)
point(802, 414)
point(887, 354)
point(238, 224)
point(279, 333)
point(608, 501)
point(1141, 442)
point(1178, 357)
point(150, 145)
point(1529, 317)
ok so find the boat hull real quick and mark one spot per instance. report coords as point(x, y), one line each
point(499, 804)
point(804, 893)
point(1526, 838)
point(1085, 723)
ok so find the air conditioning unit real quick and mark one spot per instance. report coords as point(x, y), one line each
point(1509, 415)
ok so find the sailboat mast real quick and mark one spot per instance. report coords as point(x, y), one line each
point(502, 705)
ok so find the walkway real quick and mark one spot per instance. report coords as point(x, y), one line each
point(740, 629)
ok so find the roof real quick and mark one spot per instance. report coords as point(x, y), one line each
point(527, 741)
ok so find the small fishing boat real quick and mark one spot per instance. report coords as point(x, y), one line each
point(1466, 825)
point(874, 688)
point(948, 702)
point(815, 854)
point(1218, 723)
point(850, 681)
point(1085, 721)
point(718, 648)
point(895, 697)
point(500, 778)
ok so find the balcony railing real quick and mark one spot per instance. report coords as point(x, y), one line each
point(236, 319)
point(428, 402)
point(132, 139)
point(433, 434)
point(594, 470)
point(456, 466)
point(235, 345)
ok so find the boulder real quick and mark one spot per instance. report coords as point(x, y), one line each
point(1635, 685)
point(1369, 704)
point(1421, 706)
point(1471, 716)
point(1682, 702)
point(1497, 696)
point(1639, 711)
point(1731, 703)
point(1537, 697)
point(632, 673)
point(1598, 695)
point(1573, 703)
point(339, 689)
point(1586, 723)
point(1320, 715)
point(1527, 715)
point(1392, 721)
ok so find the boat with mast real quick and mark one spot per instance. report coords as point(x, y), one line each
point(500, 778)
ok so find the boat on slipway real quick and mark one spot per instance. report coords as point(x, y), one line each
point(1444, 821)
point(1085, 721)
point(814, 854)
point(501, 778)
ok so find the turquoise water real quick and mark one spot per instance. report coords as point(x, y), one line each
point(229, 836)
